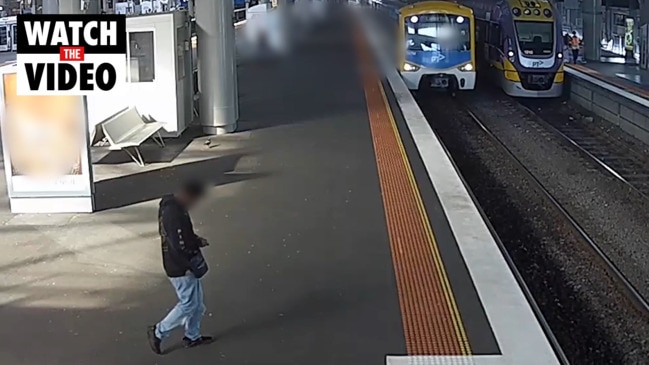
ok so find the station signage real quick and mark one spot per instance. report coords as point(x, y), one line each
point(70, 54)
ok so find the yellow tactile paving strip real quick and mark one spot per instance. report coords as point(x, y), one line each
point(431, 320)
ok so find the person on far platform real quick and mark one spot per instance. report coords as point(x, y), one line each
point(575, 44)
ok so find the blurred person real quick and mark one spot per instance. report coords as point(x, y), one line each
point(566, 41)
point(575, 43)
point(45, 135)
point(184, 265)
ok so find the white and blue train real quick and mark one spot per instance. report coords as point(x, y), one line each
point(435, 46)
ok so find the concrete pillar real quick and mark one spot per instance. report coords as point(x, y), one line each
point(190, 8)
point(71, 7)
point(644, 19)
point(50, 7)
point(633, 13)
point(592, 20)
point(93, 7)
point(216, 66)
point(644, 12)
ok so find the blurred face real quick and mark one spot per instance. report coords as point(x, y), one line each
point(191, 201)
point(187, 200)
point(44, 133)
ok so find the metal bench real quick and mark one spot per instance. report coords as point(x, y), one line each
point(127, 130)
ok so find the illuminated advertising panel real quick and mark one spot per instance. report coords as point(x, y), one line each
point(44, 142)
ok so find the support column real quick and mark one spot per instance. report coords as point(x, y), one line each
point(50, 7)
point(592, 20)
point(93, 7)
point(216, 66)
point(644, 19)
point(633, 13)
point(70, 7)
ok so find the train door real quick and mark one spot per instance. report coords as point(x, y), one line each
point(5, 38)
point(14, 37)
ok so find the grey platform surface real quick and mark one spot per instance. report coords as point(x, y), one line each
point(627, 74)
point(301, 269)
point(300, 264)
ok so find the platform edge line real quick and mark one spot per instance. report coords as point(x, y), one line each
point(432, 241)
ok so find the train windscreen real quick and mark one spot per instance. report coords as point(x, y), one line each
point(438, 40)
point(535, 38)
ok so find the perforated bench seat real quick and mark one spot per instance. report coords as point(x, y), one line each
point(127, 130)
point(138, 136)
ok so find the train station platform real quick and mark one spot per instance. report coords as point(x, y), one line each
point(347, 237)
point(623, 75)
point(615, 92)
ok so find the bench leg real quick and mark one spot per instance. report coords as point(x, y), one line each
point(137, 157)
point(159, 141)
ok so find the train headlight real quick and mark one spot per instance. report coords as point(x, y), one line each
point(460, 19)
point(407, 67)
point(547, 13)
point(466, 68)
point(510, 54)
point(537, 12)
point(516, 11)
point(527, 12)
point(559, 55)
point(414, 19)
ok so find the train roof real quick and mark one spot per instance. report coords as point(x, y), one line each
point(534, 10)
point(413, 6)
point(525, 10)
point(437, 4)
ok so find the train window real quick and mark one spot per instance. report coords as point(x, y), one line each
point(437, 32)
point(535, 38)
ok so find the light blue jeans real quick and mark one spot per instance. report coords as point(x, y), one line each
point(188, 311)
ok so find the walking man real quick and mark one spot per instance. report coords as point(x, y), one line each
point(184, 265)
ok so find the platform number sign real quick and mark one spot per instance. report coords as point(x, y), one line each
point(70, 54)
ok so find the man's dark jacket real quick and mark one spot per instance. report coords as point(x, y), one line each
point(179, 242)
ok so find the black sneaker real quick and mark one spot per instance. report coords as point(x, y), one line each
point(154, 341)
point(203, 340)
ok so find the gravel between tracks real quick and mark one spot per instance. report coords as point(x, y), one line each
point(572, 113)
point(591, 319)
point(613, 215)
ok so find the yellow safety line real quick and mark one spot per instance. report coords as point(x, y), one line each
point(432, 242)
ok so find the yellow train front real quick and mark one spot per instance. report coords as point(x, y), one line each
point(435, 44)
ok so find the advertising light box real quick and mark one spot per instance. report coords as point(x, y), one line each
point(44, 143)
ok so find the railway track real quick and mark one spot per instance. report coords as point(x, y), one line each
point(629, 166)
point(624, 284)
point(587, 300)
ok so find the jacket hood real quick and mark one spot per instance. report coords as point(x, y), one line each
point(168, 200)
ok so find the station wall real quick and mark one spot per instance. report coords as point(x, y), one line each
point(630, 116)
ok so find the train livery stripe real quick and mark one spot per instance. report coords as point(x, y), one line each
point(431, 320)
